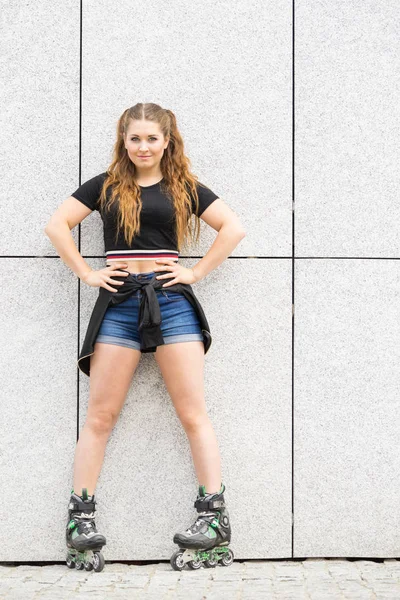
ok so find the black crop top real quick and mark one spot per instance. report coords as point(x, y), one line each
point(157, 237)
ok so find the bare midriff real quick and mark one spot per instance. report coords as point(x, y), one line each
point(140, 266)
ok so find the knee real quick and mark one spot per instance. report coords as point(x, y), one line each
point(101, 422)
point(193, 421)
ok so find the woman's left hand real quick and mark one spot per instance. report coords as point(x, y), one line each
point(179, 273)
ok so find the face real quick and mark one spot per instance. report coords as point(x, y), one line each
point(145, 144)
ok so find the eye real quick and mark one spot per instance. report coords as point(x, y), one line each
point(135, 138)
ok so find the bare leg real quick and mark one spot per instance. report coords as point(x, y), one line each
point(182, 367)
point(111, 370)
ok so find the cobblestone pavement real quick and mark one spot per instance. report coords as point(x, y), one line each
point(311, 579)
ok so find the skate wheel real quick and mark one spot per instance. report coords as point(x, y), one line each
point(176, 561)
point(98, 561)
point(70, 562)
point(211, 563)
point(194, 564)
point(79, 565)
point(227, 559)
point(88, 566)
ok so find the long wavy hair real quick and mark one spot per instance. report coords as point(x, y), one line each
point(178, 182)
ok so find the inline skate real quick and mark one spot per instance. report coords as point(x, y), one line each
point(84, 543)
point(205, 542)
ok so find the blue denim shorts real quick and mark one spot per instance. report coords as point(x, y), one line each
point(180, 322)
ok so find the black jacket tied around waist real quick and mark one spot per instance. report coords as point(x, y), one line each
point(149, 324)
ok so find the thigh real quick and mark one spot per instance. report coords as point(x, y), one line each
point(182, 367)
point(111, 371)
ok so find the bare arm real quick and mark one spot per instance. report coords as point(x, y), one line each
point(62, 240)
point(58, 230)
point(230, 231)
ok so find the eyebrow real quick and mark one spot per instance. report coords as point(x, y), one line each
point(150, 134)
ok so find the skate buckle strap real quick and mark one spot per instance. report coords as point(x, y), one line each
point(201, 504)
point(82, 506)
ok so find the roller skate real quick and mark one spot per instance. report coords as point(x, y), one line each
point(84, 543)
point(205, 542)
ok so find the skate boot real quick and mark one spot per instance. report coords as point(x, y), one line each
point(206, 541)
point(84, 543)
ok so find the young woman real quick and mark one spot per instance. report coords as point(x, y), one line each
point(146, 199)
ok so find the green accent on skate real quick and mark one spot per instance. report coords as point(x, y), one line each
point(82, 556)
point(211, 554)
point(201, 555)
point(214, 523)
point(210, 533)
point(202, 490)
point(221, 550)
point(74, 534)
point(71, 525)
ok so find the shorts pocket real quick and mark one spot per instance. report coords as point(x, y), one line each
point(172, 296)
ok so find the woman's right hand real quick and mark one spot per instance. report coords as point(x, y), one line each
point(102, 277)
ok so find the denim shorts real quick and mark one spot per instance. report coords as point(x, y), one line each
point(180, 322)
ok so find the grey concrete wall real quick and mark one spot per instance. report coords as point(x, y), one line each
point(304, 401)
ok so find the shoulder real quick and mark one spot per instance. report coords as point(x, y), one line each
point(206, 196)
point(96, 182)
point(101, 178)
point(89, 191)
point(203, 189)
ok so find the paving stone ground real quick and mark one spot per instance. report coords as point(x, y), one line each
point(310, 579)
